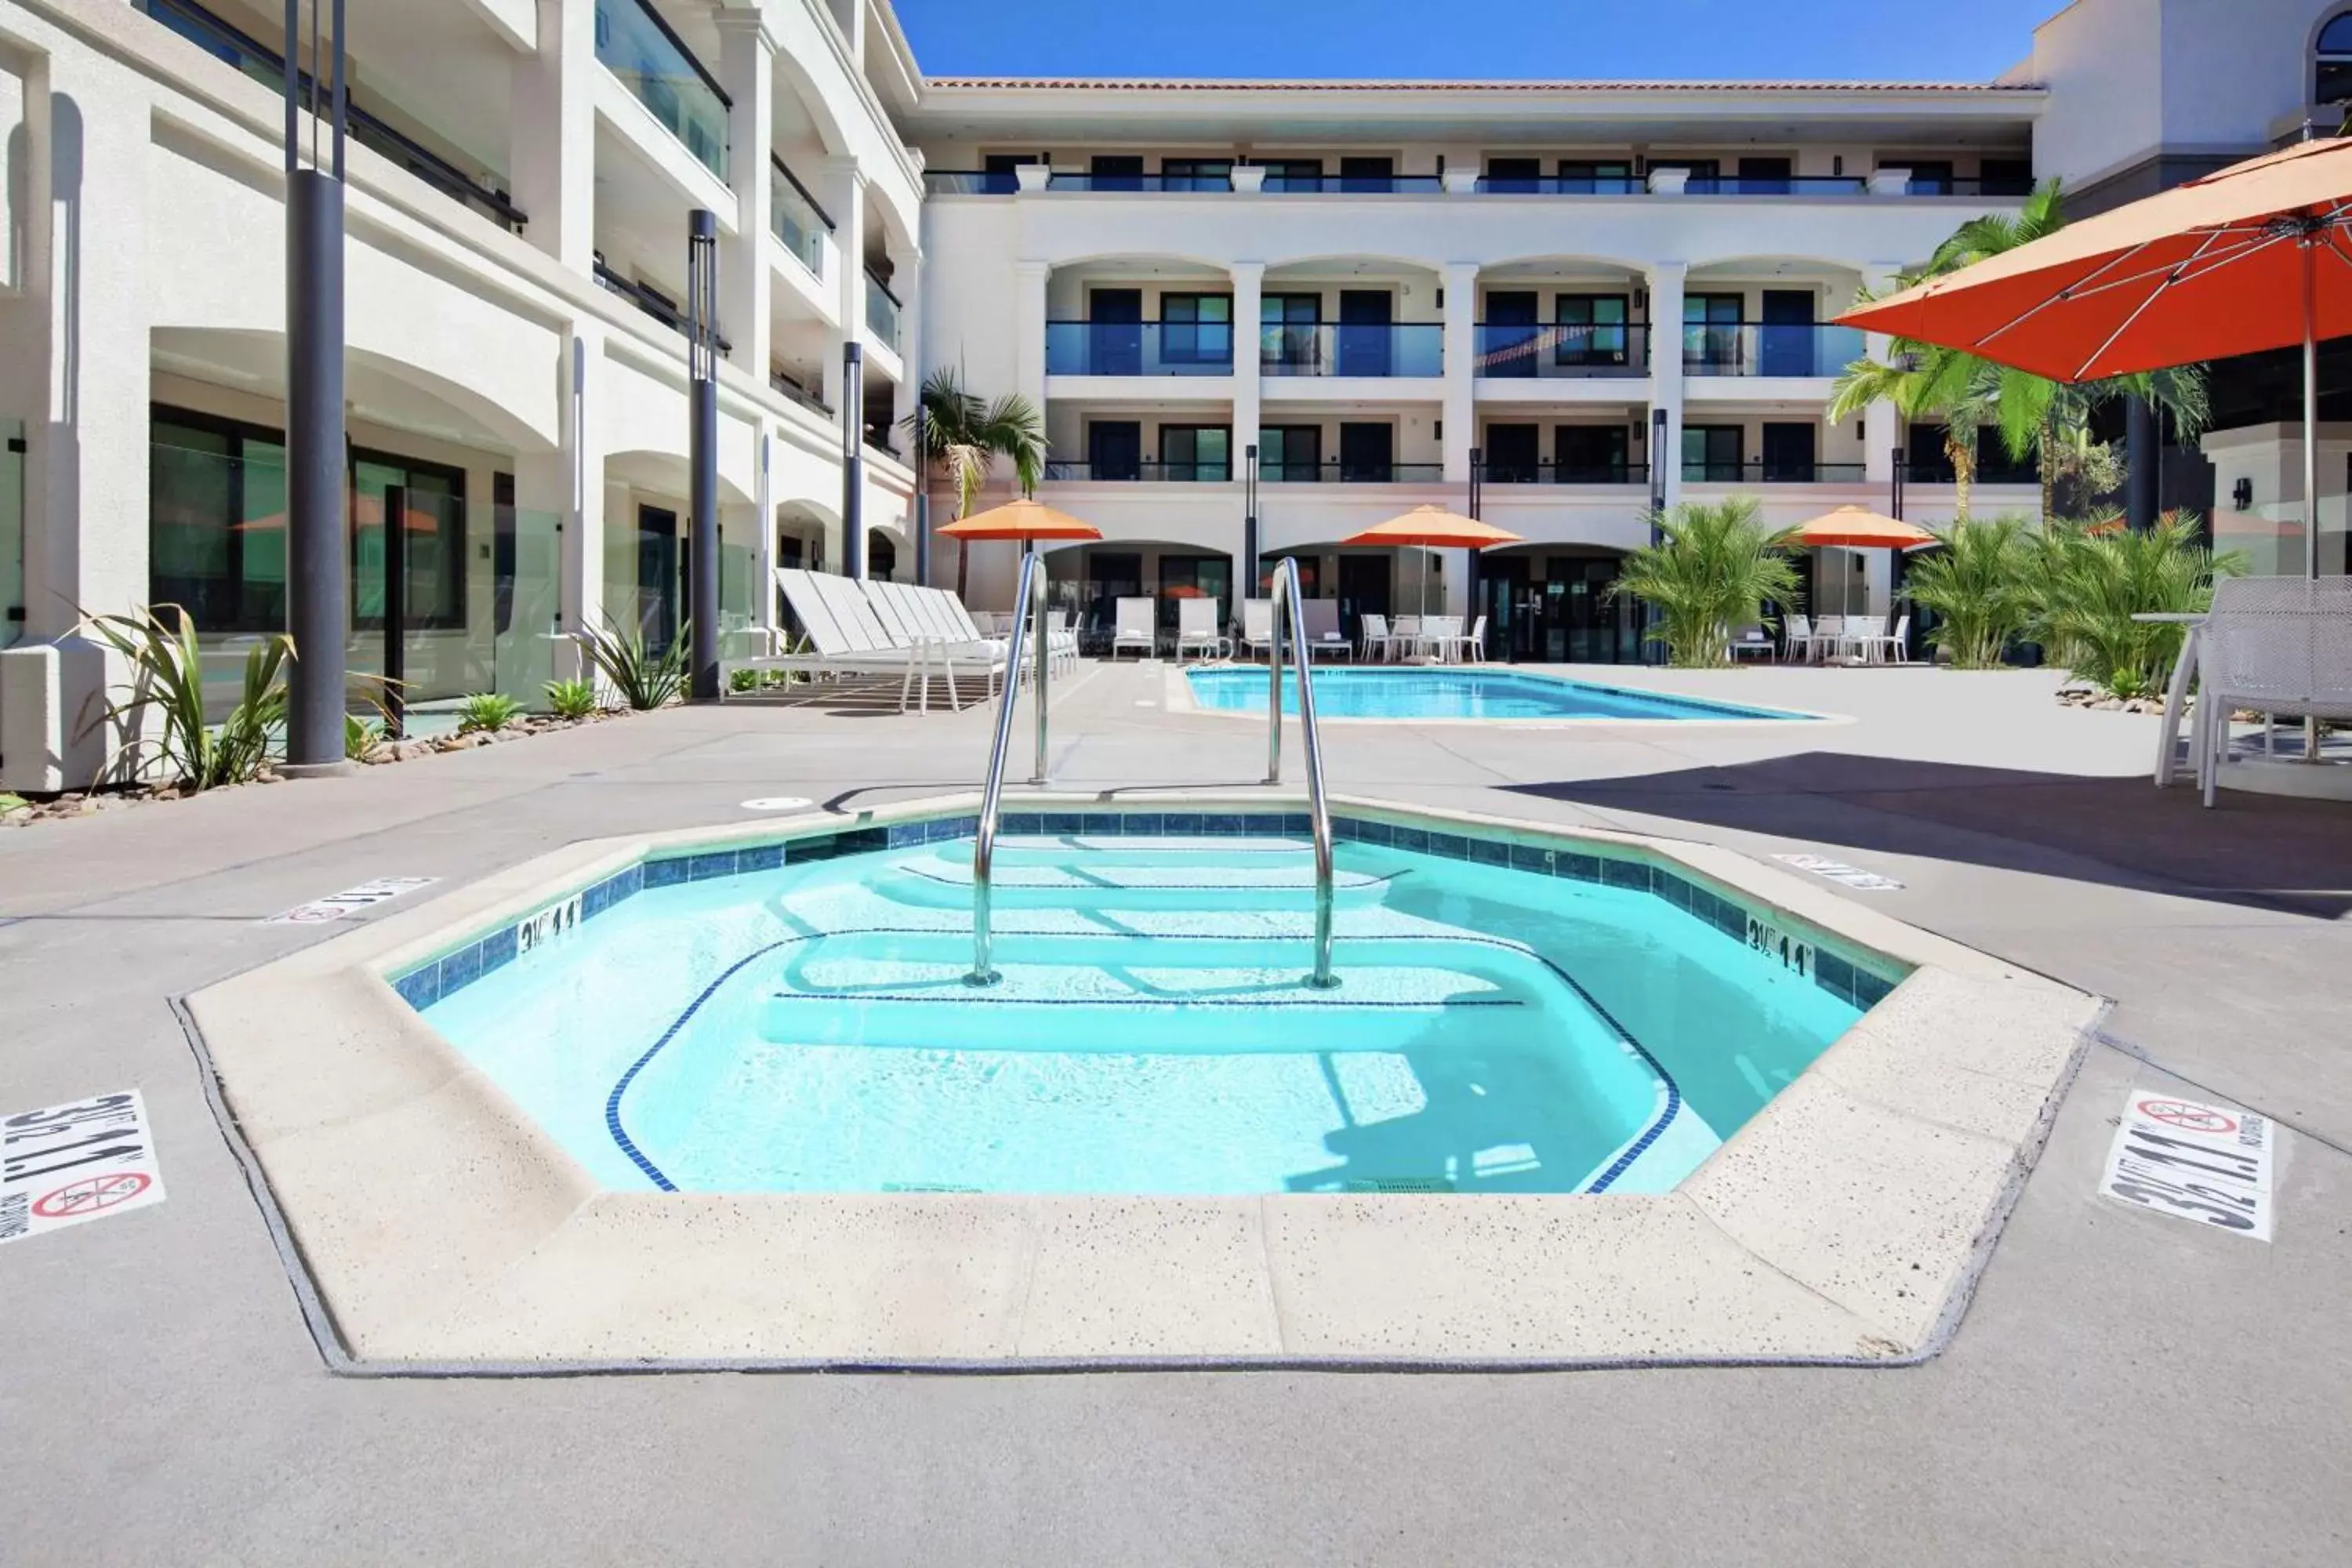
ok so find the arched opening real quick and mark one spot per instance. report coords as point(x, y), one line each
point(2331, 61)
point(1088, 582)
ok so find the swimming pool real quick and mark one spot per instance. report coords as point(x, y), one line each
point(1512, 1018)
point(1456, 693)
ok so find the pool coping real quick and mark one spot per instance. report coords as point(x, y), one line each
point(1178, 697)
point(433, 1228)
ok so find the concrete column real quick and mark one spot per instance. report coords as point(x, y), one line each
point(764, 547)
point(1029, 331)
point(844, 195)
point(1461, 405)
point(1249, 290)
point(747, 69)
point(1882, 422)
point(74, 363)
point(551, 145)
point(570, 483)
point(1666, 373)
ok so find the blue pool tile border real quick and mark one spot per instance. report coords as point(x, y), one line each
point(1844, 977)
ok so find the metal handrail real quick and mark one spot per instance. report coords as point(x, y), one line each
point(1029, 626)
point(1288, 608)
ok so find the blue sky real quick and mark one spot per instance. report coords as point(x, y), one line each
point(1862, 39)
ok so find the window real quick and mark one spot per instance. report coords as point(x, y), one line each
point(1764, 177)
point(1591, 329)
point(1196, 328)
point(2334, 85)
point(2005, 176)
point(1711, 453)
point(1293, 174)
point(1518, 176)
point(1711, 332)
point(1290, 453)
point(217, 521)
point(1196, 452)
point(432, 520)
point(1596, 176)
point(1510, 452)
point(997, 168)
point(1196, 173)
point(1368, 173)
point(1116, 172)
point(1287, 330)
point(1591, 454)
point(1929, 176)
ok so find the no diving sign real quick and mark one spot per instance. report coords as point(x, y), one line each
point(65, 1164)
point(2194, 1162)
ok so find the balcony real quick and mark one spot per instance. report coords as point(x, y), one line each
point(1763, 471)
point(1345, 473)
point(1139, 348)
point(798, 221)
point(881, 311)
point(651, 300)
point(1563, 185)
point(1354, 184)
point(247, 54)
point(1184, 183)
point(1414, 349)
point(1809, 349)
point(1994, 465)
point(1140, 471)
point(1514, 351)
point(1555, 473)
point(637, 47)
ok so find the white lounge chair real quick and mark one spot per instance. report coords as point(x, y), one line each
point(2281, 646)
point(1196, 629)
point(1136, 628)
point(1751, 640)
point(1321, 632)
point(1257, 625)
point(846, 639)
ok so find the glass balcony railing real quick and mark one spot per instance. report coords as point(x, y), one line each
point(246, 54)
point(1769, 348)
point(1563, 473)
point(1139, 348)
point(637, 47)
point(881, 312)
point(1571, 350)
point(1184, 184)
point(1380, 350)
point(797, 220)
point(1770, 471)
point(1354, 184)
point(1347, 471)
point(1139, 470)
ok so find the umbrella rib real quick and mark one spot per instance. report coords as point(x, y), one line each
point(2086, 285)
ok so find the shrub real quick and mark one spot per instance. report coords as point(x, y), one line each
point(361, 736)
point(2091, 579)
point(1979, 585)
point(573, 698)
point(168, 679)
point(643, 679)
point(1715, 569)
point(744, 681)
point(487, 712)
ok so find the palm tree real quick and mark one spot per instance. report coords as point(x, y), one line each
point(1716, 568)
point(962, 437)
point(1979, 585)
point(2089, 581)
point(1925, 382)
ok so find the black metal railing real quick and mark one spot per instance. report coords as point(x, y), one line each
point(1994, 467)
point(1566, 350)
point(779, 381)
point(1552, 472)
point(1131, 183)
point(652, 301)
point(1354, 184)
point(1340, 471)
point(1764, 471)
point(1776, 186)
point(970, 181)
point(1139, 470)
point(247, 54)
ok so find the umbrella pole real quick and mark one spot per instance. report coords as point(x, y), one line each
point(2310, 455)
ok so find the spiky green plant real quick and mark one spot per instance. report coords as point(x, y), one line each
point(1977, 584)
point(167, 682)
point(643, 679)
point(1716, 568)
point(361, 735)
point(2091, 579)
point(572, 699)
point(487, 712)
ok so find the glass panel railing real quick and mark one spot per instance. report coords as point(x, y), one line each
point(1770, 471)
point(970, 181)
point(1550, 472)
point(881, 312)
point(1776, 186)
point(1128, 183)
point(636, 46)
point(1514, 351)
point(1563, 185)
point(1770, 348)
point(1345, 473)
point(1354, 184)
point(1139, 348)
point(1396, 349)
point(1138, 471)
point(12, 531)
point(798, 221)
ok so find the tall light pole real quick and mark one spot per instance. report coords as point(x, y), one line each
point(317, 541)
point(702, 450)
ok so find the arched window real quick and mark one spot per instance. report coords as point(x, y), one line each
point(2335, 60)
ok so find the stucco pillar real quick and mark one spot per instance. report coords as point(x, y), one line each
point(1461, 405)
point(74, 363)
point(764, 547)
point(1249, 290)
point(1666, 374)
point(1881, 423)
point(551, 145)
point(570, 483)
point(844, 195)
point(747, 69)
point(1029, 331)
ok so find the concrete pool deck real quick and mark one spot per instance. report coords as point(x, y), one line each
point(2126, 1385)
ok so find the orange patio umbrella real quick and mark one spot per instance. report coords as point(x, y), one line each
point(2252, 256)
point(1434, 527)
point(1025, 520)
point(1857, 528)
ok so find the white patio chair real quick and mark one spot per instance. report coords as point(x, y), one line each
point(1136, 626)
point(2277, 645)
point(1373, 638)
point(1404, 638)
point(1196, 629)
point(1751, 640)
point(1257, 625)
point(1829, 637)
point(1894, 646)
point(1798, 641)
point(1441, 636)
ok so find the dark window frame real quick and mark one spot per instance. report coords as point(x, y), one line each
point(1594, 347)
point(1181, 342)
point(1196, 468)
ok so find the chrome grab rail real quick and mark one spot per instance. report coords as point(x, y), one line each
point(1029, 618)
point(1287, 608)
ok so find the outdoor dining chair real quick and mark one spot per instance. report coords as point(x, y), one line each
point(1373, 638)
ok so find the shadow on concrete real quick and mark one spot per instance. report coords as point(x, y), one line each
point(2262, 851)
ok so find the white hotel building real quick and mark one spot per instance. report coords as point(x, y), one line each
point(1581, 298)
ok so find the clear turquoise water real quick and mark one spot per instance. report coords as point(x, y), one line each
point(809, 1029)
point(1455, 693)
